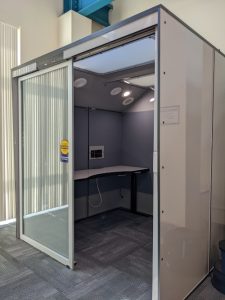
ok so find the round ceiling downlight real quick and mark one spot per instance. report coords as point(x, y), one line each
point(116, 91)
point(126, 93)
point(80, 82)
point(128, 101)
point(152, 99)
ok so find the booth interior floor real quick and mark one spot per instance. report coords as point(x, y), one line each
point(115, 249)
point(114, 262)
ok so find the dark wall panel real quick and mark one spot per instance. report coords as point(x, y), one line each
point(81, 138)
point(128, 140)
point(137, 145)
point(105, 128)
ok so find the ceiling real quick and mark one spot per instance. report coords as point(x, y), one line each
point(121, 67)
point(136, 53)
point(143, 81)
point(97, 93)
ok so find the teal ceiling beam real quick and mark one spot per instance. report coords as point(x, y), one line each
point(101, 16)
point(91, 7)
point(96, 10)
point(70, 5)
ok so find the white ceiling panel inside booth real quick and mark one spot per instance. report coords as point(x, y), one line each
point(130, 55)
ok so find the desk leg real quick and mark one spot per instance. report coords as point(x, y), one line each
point(87, 200)
point(133, 204)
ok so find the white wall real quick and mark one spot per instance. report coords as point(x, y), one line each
point(38, 20)
point(68, 29)
point(73, 26)
point(207, 17)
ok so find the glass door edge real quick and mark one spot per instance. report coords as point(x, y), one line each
point(71, 164)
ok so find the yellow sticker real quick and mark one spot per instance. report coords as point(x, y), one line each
point(64, 150)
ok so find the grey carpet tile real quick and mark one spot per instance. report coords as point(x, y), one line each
point(134, 291)
point(121, 287)
point(146, 296)
point(134, 234)
point(22, 251)
point(59, 276)
point(99, 241)
point(148, 246)
point(206, 292)
point(146, 226)
point(138, 264)
point(110, 284)
point(86, 268)
point(111, 250)
point(97, 282)
point(10, 269)
point(92, 240)
point(114, 262)
point(16, 248)
point(56, 274)
point(57, 296)
point(26, 288)
point(108, 221)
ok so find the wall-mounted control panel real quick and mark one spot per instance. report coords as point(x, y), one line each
point(96, 152)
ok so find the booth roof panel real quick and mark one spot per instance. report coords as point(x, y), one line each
point(138, 25)
point(57, 56)
point(107, 33)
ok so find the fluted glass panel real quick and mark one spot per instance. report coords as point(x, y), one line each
point(8, 60)
point(45, 177)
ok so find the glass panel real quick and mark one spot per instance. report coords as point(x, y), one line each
point(8, 60)
point(45, 176)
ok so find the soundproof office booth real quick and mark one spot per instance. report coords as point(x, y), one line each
point(119, 157)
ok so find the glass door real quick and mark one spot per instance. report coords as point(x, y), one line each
point(46, 162)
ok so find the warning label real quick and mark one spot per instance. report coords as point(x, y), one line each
point(64, 150)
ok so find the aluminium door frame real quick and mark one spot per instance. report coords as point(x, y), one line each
point(70, 260)
point(156, 174)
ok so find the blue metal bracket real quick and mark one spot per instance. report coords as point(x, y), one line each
point(102, 16)
point(97, 10)
point(71, 5)
point(89, 7)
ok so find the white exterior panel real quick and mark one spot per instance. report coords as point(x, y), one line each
point(218, 160)
point(186, 92)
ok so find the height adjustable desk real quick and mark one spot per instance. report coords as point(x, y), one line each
point(114, 170)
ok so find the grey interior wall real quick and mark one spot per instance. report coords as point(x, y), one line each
point(81, 138)
point(81, 160)
point(128, 139)
point(137, 144)
point(105, 128)
point(137, 149)
point(97, 127)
